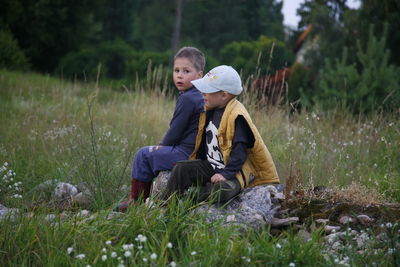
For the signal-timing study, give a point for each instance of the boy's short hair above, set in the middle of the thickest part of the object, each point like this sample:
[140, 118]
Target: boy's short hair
[194, 55]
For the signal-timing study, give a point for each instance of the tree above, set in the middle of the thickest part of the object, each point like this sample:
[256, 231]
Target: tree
[213, 24]
[117, 19]
[266, 54]
[327, 19]
[374, 84]
[381, 13]
[47, 29]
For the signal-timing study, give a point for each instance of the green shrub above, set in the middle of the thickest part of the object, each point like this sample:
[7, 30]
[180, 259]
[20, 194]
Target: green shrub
[265, 54]
[11, 55]
[365, 85]
[140, 61]
[116, 60]
[300, 83]
[113, 56]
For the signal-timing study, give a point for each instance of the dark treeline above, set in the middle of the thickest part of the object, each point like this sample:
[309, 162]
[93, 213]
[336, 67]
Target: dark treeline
[336, 53]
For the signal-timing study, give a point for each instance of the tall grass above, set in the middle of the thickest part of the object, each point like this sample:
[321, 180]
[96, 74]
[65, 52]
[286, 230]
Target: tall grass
[81, 133]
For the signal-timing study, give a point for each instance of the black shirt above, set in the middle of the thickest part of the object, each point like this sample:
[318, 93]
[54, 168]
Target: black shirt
[243, 139]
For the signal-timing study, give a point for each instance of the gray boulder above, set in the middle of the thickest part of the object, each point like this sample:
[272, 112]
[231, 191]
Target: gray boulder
[7, 212]
[254, 207]
[64, 191]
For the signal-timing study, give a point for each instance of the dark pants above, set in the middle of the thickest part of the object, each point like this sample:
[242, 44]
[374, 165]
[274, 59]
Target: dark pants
[187, 173]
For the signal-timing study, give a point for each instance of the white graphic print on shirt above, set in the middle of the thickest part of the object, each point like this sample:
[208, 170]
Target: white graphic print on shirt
[214, 155]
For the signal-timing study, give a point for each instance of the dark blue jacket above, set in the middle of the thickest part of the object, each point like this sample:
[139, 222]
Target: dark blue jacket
[185, 121]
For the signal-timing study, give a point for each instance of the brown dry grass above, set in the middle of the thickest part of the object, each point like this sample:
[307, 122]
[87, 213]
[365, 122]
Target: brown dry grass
[359, 194]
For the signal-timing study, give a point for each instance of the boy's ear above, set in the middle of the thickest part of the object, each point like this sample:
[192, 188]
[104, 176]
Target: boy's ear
[200, 74]
[225, 95]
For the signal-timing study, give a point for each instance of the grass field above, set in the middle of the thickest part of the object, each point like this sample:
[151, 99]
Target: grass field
[72, 132]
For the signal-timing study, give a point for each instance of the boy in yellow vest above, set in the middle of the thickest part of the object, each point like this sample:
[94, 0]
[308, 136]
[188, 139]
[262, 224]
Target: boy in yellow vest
[229, 154]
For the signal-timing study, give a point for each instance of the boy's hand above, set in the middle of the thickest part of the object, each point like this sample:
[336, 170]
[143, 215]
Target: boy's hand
[217, 178]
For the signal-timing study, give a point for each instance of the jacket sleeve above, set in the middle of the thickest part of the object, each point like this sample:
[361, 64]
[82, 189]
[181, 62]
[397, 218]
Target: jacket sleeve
[180, 120]
[242, 140]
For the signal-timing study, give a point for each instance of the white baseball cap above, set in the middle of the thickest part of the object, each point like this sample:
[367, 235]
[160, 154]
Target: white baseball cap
[221, 78]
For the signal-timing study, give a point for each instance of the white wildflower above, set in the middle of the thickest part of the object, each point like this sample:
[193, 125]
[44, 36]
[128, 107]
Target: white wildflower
[108, 242]
[172, 264]
[141, 238]
[127, 253]
[145, 259]
[69, 250]
[104, 257]
[153, 256]
[278, 245]
[193, 253]
[104, 250]
[169, 245]
[80, 256]
[292, 264]
[127, 246]
[113, 254]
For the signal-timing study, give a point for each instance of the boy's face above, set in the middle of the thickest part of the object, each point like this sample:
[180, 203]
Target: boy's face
[216, 100]
[184, 73]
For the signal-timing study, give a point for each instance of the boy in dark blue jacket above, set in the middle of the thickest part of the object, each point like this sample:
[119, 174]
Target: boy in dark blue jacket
[178, 142]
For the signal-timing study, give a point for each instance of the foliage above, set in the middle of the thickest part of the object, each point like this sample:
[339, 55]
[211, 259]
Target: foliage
[11, 55]
[326, 17]
[382, 14]
[118, 60]
[77, 132]
[117, 19]
[374, 84]
[48, 29]
[214, 24]
[265, 54]
[300, 84]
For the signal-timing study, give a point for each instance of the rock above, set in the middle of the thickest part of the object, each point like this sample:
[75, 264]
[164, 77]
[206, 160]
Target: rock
[64, 216]
[331, 229]
[114, 214]
[64, 191]
[345, 219]
[276, 222]
[81, 199]
[252, 208]
[83, 213]
[365, 220]
[322, 221]
[362, 240]
[50, 217]
[159, 184]
[7, 212]
[306, 236]
[43, 191]
[83, 188]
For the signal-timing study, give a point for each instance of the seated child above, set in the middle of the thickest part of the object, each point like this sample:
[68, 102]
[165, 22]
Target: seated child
[229, 154]
[178, 142]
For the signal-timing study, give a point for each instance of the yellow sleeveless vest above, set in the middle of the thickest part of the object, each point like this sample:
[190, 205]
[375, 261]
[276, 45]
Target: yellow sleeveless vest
[259, 167]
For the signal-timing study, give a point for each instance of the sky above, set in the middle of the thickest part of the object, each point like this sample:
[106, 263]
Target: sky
[290, 7]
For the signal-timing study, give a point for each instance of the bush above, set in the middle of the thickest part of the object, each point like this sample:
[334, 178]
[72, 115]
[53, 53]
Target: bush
[140, 61]
[11, 55]
[113, 56]
[265, 54]
[300, 83]
[118, 61]
[365, 85]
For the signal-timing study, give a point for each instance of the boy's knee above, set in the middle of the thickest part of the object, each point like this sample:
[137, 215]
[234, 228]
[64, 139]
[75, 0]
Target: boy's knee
[226, 190]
